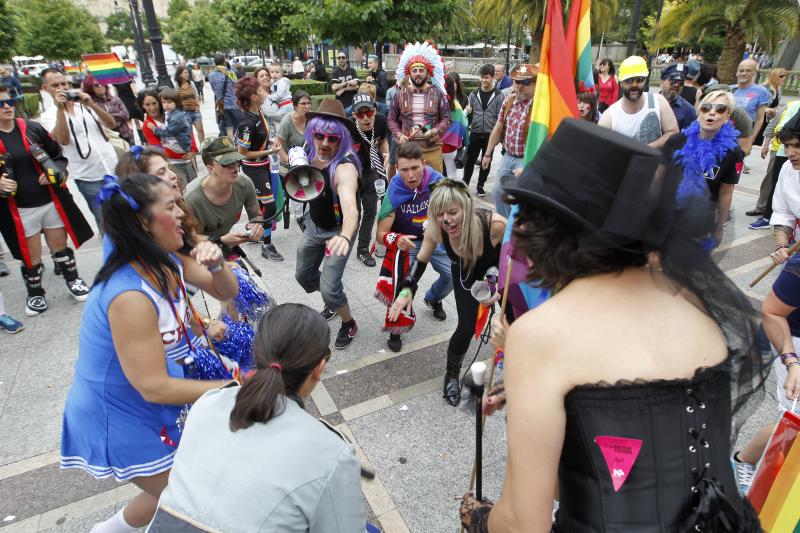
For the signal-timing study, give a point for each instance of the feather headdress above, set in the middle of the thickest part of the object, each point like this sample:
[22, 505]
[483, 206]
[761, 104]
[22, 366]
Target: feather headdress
[425, 54]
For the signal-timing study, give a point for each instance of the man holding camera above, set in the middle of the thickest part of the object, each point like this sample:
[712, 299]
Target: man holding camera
[76, 123]
[33, 200]
[345, 81]
[217, 200]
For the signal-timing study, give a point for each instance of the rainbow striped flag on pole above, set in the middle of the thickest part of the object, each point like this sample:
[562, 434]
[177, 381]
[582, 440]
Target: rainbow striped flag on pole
[553, 100]
[579, 43]
[130, 66]
[106, 68]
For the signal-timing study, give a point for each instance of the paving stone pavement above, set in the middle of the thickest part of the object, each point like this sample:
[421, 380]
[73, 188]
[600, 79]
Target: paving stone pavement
[390, 404]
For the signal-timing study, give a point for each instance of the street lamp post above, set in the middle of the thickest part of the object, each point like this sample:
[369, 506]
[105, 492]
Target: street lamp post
[637, 12]
[155, 43]
[141, 46]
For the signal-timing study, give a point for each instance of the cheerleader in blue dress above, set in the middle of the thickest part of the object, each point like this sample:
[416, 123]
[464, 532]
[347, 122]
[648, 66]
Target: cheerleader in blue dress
[123, 411]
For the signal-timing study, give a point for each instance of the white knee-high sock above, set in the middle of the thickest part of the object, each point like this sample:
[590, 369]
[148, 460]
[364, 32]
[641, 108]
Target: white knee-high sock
[115, 524]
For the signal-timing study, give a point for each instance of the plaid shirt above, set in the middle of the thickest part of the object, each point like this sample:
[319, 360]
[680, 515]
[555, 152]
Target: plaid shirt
[515, 125]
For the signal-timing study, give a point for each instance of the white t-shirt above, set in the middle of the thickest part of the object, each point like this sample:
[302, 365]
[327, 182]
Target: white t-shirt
[93, 156]
[786, 200]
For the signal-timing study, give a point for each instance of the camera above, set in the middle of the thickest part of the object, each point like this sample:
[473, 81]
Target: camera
[72, 95]
[6, 169]
[51, 169]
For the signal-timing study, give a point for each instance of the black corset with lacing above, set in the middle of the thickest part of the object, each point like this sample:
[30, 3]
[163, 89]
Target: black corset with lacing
[681, 479]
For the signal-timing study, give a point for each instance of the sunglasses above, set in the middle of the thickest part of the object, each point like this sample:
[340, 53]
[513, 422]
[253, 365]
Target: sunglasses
[331, 137]
[342, 57]
[638, 80]
[366, 113]
[8, 102]
[719, 108]
[676, 82]
[524, 83]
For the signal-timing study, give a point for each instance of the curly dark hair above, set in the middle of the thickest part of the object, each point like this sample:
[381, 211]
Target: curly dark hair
[244, 89]
[551, 242]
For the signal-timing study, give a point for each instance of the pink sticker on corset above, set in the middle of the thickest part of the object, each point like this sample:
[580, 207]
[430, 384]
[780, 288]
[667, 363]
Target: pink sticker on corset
[620, 453]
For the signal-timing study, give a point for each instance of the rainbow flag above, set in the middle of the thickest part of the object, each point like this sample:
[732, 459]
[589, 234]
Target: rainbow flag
[579, 44]
[106, 68]
[71, 70]
[130, 66]
[554, 100]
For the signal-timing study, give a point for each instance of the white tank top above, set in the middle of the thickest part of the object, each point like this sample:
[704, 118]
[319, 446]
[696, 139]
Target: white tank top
[630, 124]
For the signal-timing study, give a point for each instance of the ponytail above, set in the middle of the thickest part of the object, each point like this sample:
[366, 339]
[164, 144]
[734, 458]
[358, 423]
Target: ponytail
[290, 342]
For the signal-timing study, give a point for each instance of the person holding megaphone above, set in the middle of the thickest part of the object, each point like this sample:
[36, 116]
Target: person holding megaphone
[333, 212]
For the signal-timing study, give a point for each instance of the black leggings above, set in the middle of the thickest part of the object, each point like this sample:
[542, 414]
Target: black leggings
[776, 170]
[477, 143]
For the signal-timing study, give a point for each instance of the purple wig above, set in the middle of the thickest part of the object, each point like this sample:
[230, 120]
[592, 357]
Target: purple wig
[331, 125]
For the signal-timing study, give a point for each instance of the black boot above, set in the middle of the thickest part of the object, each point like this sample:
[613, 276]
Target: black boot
[77, 287]
[35, 303]
[452, 388]
[56, 267]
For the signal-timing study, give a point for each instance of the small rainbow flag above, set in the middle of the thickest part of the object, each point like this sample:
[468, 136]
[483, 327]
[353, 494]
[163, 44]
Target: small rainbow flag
[72, 70]
[130, 66]
[579, 43]
[419, 219]
[106, 68]
[554, 100]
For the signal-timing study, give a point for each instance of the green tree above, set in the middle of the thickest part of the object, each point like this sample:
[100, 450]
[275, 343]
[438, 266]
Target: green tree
[8, 32]
[261, 23]
[201, 31]
[354, 22]
[742, 21]
[176, 7]
[119, 27]
[57, 29]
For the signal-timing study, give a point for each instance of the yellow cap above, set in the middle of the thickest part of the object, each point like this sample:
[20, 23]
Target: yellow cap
[634, 66]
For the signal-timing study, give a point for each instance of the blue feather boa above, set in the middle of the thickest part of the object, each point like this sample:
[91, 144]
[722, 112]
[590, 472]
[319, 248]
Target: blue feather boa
[699, 155]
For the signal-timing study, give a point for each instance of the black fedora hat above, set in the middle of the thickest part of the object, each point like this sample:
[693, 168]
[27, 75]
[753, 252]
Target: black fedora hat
[619, 190]
[334, 109]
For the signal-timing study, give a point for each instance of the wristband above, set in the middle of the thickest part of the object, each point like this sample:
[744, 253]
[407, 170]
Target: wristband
[345, 238]
[216, 268]
[793, 363]
[788, 355]
[781, 246]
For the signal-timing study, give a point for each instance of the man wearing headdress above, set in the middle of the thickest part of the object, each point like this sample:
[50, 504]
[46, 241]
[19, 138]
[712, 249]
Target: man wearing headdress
[420, 111]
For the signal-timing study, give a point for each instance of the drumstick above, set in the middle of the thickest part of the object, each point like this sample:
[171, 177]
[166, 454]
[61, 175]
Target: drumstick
[761, 276]
[503, 304]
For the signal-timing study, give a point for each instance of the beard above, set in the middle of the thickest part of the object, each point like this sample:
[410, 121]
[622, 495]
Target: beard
[626, 92]
[419, 82]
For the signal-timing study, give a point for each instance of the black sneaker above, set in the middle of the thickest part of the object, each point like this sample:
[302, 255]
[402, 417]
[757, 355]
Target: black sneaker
[346, 335]
[366, 258]
[78, 289]
[57, 269]
[35, 305]
[395, 343]
[481, 192]
[327, 313]
[438, 310]
[268, 251]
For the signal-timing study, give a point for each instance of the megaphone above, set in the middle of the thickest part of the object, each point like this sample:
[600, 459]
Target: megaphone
[303, 182]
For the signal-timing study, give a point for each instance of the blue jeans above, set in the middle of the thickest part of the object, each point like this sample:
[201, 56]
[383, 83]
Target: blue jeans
[441, 264]
[310, 255]
[193, 116]
[89, 190]
[230, 119]
[505, 174]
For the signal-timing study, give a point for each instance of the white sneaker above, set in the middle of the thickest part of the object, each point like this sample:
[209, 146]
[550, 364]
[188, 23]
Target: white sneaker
[743, 473]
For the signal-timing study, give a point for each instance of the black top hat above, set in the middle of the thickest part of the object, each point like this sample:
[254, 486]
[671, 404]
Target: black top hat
[333, 109]
[619, 190]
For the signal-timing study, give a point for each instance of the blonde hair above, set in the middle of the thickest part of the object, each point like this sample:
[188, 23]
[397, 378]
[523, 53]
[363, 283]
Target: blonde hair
[713, 95]
[773, 79]
[368, 88]
[443, 197]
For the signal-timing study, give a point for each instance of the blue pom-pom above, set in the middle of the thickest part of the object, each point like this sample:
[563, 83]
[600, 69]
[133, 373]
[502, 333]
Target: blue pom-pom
[205, 366]
[252, 301]
[237, 345]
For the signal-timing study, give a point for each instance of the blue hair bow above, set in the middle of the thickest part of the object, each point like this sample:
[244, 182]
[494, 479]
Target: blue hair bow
[110, 188]
[136, 150]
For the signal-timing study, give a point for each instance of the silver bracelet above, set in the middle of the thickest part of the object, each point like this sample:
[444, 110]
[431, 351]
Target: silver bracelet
[793, 363]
